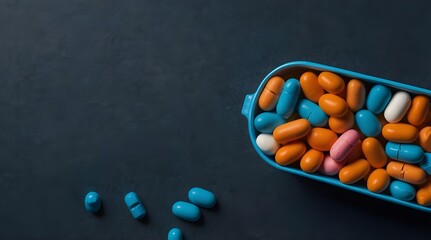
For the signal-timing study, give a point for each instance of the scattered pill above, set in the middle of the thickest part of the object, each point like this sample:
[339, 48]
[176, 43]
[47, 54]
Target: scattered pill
[333, 105]
[290, 152]
[312, 112]
[342, 124]
[288, 98]
[374, 152]
[330, 166]
[135, 205]
[266, 122]
[426, 163]
[418, 110]
[267, 144]
[175, 234]
[378, 180]
[406, 172]
[202, 197]
[402, 190]
[425, 138]
[344, 145]
[355, 96]
[92, 202]
[400, 132]
[186, 211]
[423, 195]
[353, 172]
[368, 123]
[311, 161]
[331, 82]
[408, 153]
[321, 139]
[310, 86]
[378, 98]
[270, 94]
[397, 107]
[291, 131]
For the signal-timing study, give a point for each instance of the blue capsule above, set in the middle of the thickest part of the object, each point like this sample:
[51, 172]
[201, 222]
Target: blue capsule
[266, 122]
[426, 163]
[402, 190]
[92, 202]
[378, 98]
[186, 211]
[135, 205]
[312, 112]
[408, 153]
[175, 234]
[201, 197]
[288, 98]
[368, 123]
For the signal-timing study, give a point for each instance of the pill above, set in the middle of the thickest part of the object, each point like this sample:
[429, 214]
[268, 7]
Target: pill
[425, 138]
[135, 205]
[290, 152]
[356, 153]
[331, 82]
[408, 153]
[402, 190]
[418, 110]
[312, 112]
[291, 131]
[267, 144]
[406, 172]
[270, 94]
[400, 132]
[310, 86]
[330, 167]
[175, 234]
[368, 123]
[344, 145]
[201, 197]
[186, 211]
[342, 124]
[353, 172]
[426, 163]
[92, 202]
[378, 180]
[266, 122]
[333, 105]
[311, 161]
[321, 138]
[374, 152]
[378, 98]
[423, 195]
[355, 96]
[288, 98]
[397, 107]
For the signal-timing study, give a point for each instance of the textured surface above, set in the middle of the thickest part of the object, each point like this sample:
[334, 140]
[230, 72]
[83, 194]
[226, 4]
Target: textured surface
[145, 96]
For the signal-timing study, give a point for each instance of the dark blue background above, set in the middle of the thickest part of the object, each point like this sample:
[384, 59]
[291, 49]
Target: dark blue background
[116, 96]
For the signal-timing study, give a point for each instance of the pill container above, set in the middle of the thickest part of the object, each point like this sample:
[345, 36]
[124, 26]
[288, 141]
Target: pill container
[289, 70]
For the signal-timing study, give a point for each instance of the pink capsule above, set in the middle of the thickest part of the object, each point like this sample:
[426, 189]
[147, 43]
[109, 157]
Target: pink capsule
[330, 166]
[344, 145]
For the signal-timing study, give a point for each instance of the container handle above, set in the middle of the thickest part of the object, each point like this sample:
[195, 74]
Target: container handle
[246, 107]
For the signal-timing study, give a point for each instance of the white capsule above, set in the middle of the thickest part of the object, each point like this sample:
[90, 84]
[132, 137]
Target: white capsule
[397, 107]
[267, 144]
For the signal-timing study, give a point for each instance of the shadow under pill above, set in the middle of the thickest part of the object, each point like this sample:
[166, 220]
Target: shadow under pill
[100, 213]
[199, 222]
[215, 208]
[145, 220]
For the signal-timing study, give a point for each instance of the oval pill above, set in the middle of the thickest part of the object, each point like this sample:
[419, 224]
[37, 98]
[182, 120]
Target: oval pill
[267, 144]
[186, 211]
[311, 161]
[423, 195]
[202, 197]
[92, 202]
[321, 139]
[312, 112]
[175, 234]
[310, 86]
[266, 122]
[408, 153]
[342, 124]
[353, 172]
[400, 132]
[425, 138]
[397, 107]
[291, 131]
[355, 97]
[402, 190]
[368, 123]
[344, 145]
[378, 98]
[333, 105]
[270, 94]
[374, 152]
[406, 172]
[290, 152]
[288, 98]
[331, 82]
[418, 110]
[378, 180]
[330, 167]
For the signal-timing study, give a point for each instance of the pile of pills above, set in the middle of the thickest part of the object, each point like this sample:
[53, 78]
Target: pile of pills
[361, 133]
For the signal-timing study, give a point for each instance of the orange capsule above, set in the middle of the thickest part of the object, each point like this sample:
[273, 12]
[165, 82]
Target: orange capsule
[342, 124]
[378, 180]
[311, 161]
[310, 86]
[374, 152]
[355, 97]
[331, 82]
[418, 110]
[400, 132]
[321, 138]
[423, 195]
[290, 153]
[291, 131]
[354, 171]
[270, 94]
[406, 172]
[356, 153]
[333, 105]
[425, 138]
